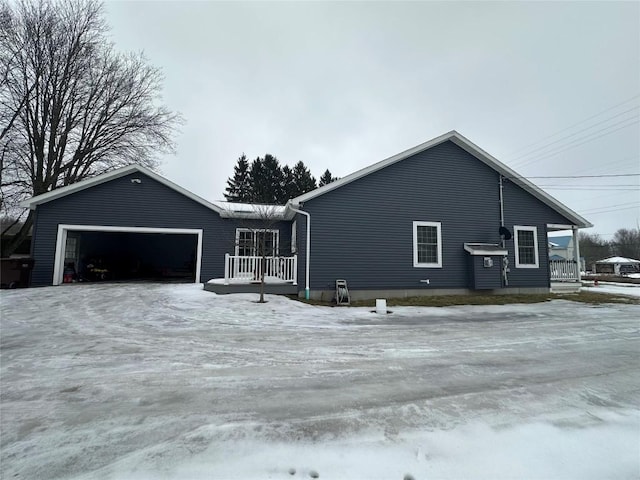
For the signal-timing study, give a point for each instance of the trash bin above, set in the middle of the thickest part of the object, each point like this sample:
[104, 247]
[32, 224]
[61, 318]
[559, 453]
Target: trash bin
[15, 272]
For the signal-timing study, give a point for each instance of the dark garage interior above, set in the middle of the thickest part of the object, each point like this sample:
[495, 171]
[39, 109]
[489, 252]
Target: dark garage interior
[129, 256]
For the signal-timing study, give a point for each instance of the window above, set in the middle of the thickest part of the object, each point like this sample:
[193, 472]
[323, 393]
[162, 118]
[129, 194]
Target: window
[427, 244]
[251, 243]
[526, 246]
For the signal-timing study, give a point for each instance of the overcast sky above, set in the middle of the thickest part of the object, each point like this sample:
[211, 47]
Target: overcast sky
[549, 89]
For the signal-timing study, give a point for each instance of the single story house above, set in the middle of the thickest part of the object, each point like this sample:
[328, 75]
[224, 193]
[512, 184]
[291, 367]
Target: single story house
[617, 266]
[442, 217]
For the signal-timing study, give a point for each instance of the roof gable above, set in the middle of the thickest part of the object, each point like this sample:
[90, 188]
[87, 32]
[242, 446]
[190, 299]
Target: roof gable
[469, 147]
[561, 242]
[33, 202]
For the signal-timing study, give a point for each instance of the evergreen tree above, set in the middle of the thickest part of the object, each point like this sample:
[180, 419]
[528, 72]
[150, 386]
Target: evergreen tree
[239, 186]
[267, 180]
[288, 184]
[326, 178]
[303, 181]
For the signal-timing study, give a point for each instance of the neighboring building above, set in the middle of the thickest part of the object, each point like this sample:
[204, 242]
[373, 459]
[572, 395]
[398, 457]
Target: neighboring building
[617, 266]
[425, 221]
[561, 248]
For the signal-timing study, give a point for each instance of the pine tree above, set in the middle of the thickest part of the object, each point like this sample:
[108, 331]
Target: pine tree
[267, 180]
[239, 186]
[326, 178]
[303, 181]
[288, 184]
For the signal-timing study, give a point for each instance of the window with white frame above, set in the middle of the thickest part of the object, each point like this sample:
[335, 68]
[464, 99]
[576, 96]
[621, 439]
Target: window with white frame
[427, 244]
[253, 243]
[526, 246]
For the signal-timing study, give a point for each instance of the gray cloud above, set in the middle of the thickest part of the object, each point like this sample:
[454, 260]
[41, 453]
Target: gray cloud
[342, 85]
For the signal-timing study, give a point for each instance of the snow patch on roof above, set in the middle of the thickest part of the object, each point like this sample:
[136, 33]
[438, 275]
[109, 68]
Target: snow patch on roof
[618, 260]
[250, 210]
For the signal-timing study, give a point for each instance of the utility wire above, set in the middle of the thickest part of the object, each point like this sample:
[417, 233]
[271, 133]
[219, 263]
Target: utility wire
[580, 176]
[575, 143]
[593, 214]
[612, 206]
[576, 124]
[580, 131]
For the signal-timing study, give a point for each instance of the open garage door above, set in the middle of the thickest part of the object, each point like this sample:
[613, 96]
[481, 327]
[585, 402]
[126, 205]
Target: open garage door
[101, 253]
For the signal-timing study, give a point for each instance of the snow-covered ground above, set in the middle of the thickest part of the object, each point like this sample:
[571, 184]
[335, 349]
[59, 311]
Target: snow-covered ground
[172, 382]
[628, 289]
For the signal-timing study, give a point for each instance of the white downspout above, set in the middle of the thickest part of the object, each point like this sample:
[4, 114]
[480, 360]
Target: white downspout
[307, 252]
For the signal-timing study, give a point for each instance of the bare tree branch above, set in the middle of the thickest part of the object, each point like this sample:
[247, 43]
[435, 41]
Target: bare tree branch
[72, 107]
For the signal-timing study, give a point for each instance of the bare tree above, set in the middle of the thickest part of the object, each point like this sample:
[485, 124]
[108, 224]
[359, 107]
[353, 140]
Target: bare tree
[71, 106]
[626, 243]
[593, 248]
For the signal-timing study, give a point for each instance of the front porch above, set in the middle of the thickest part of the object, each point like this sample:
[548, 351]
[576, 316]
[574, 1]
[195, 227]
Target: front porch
[564, 273]
[243, 274]
[565, 276]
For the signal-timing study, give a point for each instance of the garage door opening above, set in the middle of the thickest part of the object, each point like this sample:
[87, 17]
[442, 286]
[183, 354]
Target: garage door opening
[93, 254]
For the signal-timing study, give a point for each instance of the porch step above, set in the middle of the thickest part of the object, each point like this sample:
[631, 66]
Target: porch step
[269, 288]
[565, 287]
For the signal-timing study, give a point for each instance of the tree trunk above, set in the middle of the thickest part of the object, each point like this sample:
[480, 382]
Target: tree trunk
[10, 245]
[262, 264]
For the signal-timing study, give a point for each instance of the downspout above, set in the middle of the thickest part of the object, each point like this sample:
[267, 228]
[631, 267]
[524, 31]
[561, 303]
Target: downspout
[307, 252]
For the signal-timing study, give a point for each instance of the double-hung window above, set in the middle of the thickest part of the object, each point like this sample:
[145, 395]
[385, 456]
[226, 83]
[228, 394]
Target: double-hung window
[255, 243]
[526, 246]
[427, 244]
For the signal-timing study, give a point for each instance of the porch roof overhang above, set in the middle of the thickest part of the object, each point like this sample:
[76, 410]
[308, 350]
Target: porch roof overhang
[485, 249]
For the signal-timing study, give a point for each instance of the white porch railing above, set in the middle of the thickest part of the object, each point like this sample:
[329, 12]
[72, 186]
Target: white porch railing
[564, 270]
[249, 269]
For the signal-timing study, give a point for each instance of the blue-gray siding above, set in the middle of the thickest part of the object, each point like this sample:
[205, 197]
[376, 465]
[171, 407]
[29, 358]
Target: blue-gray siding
[485, 277]
[363, 231]
[120, 202]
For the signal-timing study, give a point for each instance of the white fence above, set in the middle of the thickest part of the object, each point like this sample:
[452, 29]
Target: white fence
[239, 269]
[564, 270]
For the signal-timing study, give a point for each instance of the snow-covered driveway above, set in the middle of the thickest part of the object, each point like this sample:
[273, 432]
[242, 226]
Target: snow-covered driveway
[169, 381]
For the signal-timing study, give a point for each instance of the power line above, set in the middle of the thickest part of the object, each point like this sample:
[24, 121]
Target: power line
[612, 206]
[637, 185]
[609, 175]
[576, 143]
[580, 131]
[576, 124]
[593, 214]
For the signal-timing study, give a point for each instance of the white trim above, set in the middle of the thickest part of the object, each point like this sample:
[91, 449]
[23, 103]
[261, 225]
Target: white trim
[438, 226]
[558, 226]
[106, 177]
[63, 229]
[469, 147]
[253, 231]
[525, 228]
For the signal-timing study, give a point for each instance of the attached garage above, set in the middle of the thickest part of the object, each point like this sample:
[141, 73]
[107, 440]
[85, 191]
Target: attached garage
[98, 253]
[127, 225]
